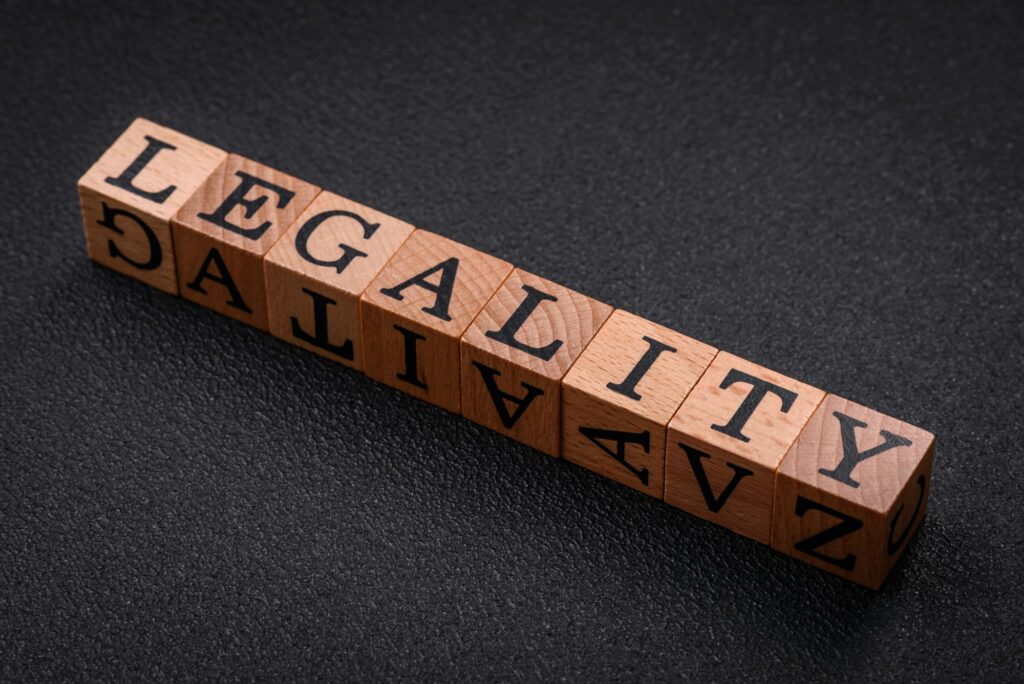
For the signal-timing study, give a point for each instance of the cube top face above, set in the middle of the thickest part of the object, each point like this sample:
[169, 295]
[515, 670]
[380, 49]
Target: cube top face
[640, 367]
[340, 243]
[416, 282]
[536, 324]
[741, 408]
[152, 169]
[246, 205]
[856, 454]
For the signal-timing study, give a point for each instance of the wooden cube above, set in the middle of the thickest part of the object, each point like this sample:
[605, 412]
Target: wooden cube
[620, 394]
[317, 271]
[416, 309]
[726, 442]
[516, 353]
[852, 491]
[223, 232]
[131, 193]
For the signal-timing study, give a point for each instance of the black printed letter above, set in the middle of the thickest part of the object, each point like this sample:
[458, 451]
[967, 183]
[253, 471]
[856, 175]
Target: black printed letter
[410, 373]
[847, 525]
[222, 276]
[443, 289]
[109, 220]
[851, 457]
[507, 334]
[893, 546]
[251, 206]
[760, 388]
[714, 503]
[320, 337]
[621, 439]
[124, 181]
[627, 387]
[347, 253]
[499, 398]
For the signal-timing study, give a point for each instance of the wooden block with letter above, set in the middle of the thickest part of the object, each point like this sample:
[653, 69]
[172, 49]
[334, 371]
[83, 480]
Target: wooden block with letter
[223, 232]
[620, 394]
[317, 271]
[131, 193]
[726, 442]
[852, 491]
[516, 353]
[416, 309]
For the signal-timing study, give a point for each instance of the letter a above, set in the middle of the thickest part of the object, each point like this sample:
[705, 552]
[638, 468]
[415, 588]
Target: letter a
[499, 397]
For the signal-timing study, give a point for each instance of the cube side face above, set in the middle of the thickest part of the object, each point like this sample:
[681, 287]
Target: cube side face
[619, 445]
[511, 399]
[727, 440]
[853, 491]
[221, 277]
[306, 313]
[128, 241]
[411, 357]
[719, 486]
[130, 194]
[320, 267]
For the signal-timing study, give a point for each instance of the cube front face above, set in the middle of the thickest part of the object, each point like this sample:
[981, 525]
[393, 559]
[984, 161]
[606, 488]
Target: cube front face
[852, 491]
[415, 310]
[516, 352]
[727, 440]
[131, 193]
[223, 232]
[317, 271]
[620, 395]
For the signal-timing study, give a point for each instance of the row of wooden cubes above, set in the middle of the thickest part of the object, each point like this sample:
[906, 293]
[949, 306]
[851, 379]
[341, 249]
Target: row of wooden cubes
[818, 477]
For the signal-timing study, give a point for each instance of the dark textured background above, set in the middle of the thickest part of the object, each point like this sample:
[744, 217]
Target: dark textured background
[833, 192]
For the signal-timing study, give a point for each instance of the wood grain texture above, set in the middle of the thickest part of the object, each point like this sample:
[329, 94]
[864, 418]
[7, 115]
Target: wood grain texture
[208, 251]
[122, 225]
[320, 267]
[858, 468]
[432, 325]
[562, 322]
[733, 483]
[630, 379]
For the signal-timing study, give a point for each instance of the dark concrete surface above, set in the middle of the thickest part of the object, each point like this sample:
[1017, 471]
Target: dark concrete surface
[834, 191]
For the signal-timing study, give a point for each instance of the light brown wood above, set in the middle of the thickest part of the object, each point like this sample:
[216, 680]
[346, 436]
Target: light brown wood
[620, 394]
[852, 491]
[724, 447]
[223, 232]
[416, 309]
[556, 323]
[131, 193]
[317, 271]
